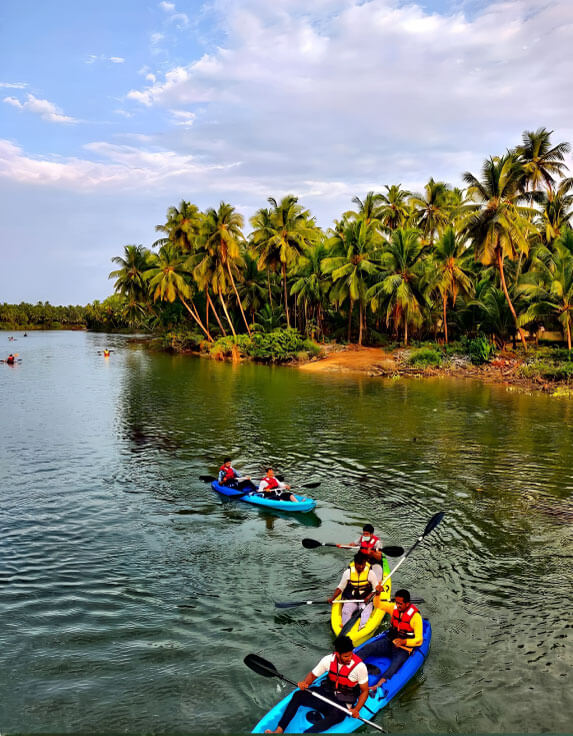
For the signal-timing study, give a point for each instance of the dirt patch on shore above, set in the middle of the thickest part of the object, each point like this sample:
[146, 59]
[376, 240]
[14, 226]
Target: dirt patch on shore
[353, 359]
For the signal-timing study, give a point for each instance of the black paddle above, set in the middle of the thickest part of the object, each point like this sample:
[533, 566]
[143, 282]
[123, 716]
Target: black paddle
[430, 526]
[267, 669]
[314, 484]
[294, 604]
[389, 551]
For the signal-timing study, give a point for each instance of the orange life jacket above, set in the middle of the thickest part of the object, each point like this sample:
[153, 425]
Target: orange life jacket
[271, 483]
[367, 547]
[229, 474]
[401, 626]
[339, 680]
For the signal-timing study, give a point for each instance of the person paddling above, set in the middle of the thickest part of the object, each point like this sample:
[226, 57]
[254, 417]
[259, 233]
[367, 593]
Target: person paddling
[229, 477]
[406, 633]
[370, 546]
[11, 359]
[359, 580]
[271, 487]
[346, 683]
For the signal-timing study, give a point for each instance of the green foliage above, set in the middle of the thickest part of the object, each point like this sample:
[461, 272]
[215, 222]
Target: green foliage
[182, 340]
[425, 357]
[547, 369]
[480, 350]
[277, 346]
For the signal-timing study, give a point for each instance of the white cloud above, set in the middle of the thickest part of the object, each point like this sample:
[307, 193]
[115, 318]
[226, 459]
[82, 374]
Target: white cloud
[14, 85]
[181, 20]
[117, 59]
[168, 7]
[44, 108]
[92, 58]
[183, 117]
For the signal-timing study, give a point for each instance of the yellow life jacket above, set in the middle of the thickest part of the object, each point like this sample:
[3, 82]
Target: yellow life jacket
[359, 585]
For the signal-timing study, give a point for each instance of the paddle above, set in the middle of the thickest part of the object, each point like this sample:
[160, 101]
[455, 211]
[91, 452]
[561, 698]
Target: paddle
[267, 669]
[294, 604]
[314, 484]
[430, 526]
[389, 551]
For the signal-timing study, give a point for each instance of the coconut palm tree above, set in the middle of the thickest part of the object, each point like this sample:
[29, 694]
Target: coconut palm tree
[252, 289]
[169, 279]
[398, 286]
[311, 283]
[394, 207]
[222, 235]
[354, 268]
[556, 210]
[499, 229]
[182, 227]
[448, 271]
[540, 160]
[431, 209]
[130, 277]
[261, 243]
[368, 209]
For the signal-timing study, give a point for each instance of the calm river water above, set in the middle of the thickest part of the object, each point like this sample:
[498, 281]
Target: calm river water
[130, 592]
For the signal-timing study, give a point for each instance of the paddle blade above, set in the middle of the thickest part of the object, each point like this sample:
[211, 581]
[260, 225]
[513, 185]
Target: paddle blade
[207, 478]
[261, 666]
[311, 543]
[289, 604]
[314, 484]
[393, 551]
[350, 623]
[433, 523]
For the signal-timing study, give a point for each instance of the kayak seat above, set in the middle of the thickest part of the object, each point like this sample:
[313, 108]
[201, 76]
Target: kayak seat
[373, 669]
[314, 716]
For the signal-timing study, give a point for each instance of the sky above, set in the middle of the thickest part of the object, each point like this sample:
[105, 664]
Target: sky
[112, 111]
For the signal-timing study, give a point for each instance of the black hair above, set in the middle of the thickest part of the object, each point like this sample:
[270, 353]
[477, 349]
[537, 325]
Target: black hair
[269, 468]
[227, 460]
[343, 644]
[368, 528]
[359, 558]
[404, 594]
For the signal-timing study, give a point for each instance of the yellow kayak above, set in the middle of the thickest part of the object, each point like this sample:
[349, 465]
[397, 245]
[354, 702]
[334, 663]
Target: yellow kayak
[357, 635]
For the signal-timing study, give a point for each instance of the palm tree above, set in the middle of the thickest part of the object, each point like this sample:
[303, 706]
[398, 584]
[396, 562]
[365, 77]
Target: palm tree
[449, 274]
[130, 277]
[556, 210]
[182, 226]
[269, 253]
[368, 210]
[431, 209]
[222, 235]
[283, 233]
[355, 267]
[252, 288]
[500, 228]
[399, 283]
[550, 286]
[540, 160]
[168, 280]
[394, 207]
[311, 283]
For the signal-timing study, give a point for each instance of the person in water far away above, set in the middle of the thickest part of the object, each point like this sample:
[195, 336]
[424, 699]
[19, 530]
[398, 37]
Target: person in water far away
[359, 580]
[406, 633]
[272, 488]
[370, 546]
[346, 683]
[10, 359]
[229, 477]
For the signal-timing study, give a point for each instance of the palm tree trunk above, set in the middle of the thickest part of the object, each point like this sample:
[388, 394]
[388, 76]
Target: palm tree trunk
[569, 333]
[227, 314]
[283, 270]
[216, 314]
[269, 285]
[360, 328]
[238, 298]
[350, 308]
[445, 301]
[206, 308]
[505, 291]
[195, 314]
[405, 330]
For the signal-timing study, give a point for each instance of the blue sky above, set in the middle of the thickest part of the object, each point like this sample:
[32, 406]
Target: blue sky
[112, 111]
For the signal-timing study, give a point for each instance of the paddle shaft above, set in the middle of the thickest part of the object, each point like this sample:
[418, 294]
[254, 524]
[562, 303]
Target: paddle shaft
[330, 702]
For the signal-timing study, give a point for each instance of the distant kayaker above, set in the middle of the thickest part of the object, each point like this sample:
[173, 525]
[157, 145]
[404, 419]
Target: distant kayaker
[10, 359]
[346, 683]
[229, 477]
[370, 546]
[271, 487]
[358, 580]
[406, 633]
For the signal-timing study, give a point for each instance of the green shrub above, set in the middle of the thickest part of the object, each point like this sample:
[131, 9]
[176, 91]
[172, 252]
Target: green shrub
[480, 350]
[181, 340]
[224, 345]
[425, 357]
[547, 369]
[276, 346]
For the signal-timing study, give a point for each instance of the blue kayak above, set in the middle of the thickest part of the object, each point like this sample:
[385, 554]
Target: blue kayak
[376, 701]
[301, 505]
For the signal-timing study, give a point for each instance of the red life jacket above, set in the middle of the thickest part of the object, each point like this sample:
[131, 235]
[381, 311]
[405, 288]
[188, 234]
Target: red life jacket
[271, 483]
[339, 680]
[367, 547]
[229, 473]
[401, 622]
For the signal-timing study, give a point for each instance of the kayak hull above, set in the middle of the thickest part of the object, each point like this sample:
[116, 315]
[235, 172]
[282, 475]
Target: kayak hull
[376, 702]
[358, 635]
[301, 506]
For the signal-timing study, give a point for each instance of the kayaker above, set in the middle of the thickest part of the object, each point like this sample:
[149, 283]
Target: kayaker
[371, 546]
[271, 487]
[229, 477]
[10, 359]
[406, 633]
[346, 683]
[359, 580]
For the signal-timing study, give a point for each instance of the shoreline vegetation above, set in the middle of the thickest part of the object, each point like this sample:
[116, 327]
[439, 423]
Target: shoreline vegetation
[448, 281]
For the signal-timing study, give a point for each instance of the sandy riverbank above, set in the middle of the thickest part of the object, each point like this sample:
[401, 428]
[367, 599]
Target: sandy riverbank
[504, 370]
